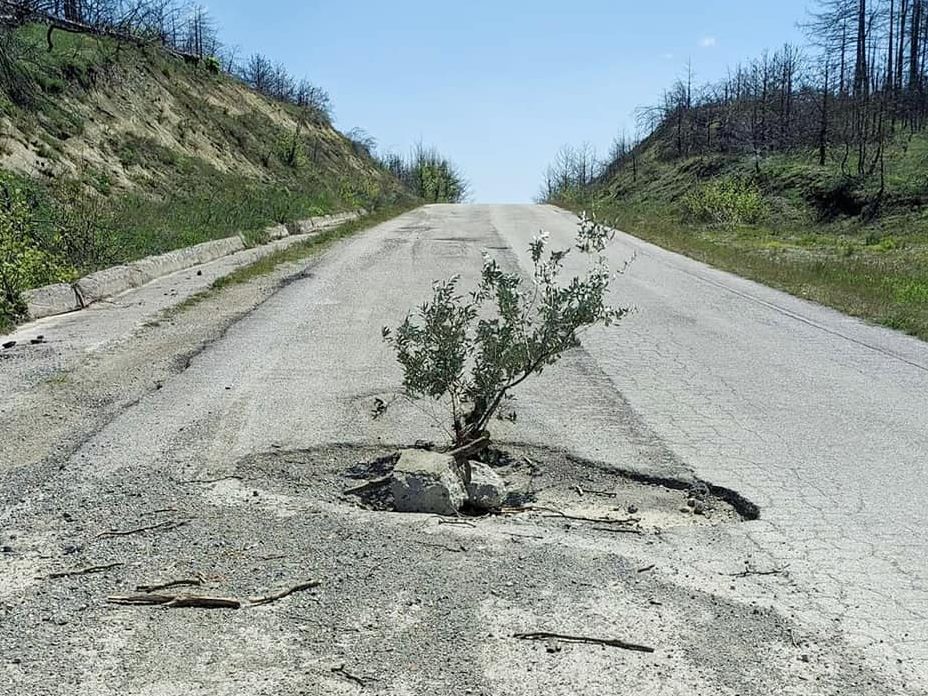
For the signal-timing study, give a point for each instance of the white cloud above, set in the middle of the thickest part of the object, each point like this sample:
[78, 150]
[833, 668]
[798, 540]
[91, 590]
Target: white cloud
[708, 42]
[667, 56]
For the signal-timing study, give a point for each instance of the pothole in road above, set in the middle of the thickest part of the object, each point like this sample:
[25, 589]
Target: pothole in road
[543, 484]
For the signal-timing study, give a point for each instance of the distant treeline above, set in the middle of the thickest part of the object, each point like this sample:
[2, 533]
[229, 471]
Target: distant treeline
[428, 174]
[859, 82]
[425, 172]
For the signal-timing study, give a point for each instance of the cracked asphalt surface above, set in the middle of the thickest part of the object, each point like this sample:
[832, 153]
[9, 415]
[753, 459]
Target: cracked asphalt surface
[817, 418]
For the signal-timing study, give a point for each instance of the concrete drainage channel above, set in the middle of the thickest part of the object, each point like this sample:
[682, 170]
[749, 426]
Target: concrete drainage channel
[62, 298]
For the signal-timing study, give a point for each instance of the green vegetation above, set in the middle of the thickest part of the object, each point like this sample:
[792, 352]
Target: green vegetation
[36, 79]
[44, 242]
[789, 222]
[25, 252]
[467, 352]
[118, 151]
[859, 272]
[725, 202]
[430, 176]
[805, 168]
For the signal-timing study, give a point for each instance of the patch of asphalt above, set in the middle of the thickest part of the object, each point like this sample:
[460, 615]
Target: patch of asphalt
[406, 604]
[287, 380]
[92, 365]
[64, 405]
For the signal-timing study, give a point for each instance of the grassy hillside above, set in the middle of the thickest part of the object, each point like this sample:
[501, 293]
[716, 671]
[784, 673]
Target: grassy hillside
[784, 220]
[110, 151]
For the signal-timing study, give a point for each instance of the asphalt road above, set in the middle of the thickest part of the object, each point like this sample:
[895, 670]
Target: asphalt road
[817, 418]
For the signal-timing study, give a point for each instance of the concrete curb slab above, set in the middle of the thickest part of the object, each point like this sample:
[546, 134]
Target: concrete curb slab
[210, 251]
[107, 283]
[276, 232]
[156, 266]
[61, 298]
[50, 300]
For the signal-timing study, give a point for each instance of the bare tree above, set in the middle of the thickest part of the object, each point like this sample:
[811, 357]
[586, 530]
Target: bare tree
[864, 72]
[258, 73]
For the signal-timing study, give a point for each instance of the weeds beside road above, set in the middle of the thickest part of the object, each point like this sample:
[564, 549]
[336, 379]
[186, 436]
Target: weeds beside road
[855, 242]
[882, 278]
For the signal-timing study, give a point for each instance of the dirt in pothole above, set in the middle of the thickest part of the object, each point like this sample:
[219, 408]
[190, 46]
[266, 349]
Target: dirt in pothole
[545, 485]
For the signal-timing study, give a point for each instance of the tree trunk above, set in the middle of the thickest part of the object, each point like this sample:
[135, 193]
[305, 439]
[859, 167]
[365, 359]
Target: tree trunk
[914, 53]
[72, 11]
[823, 126]
[861, 76]
[900, 52]
[889, 49]
[842, 90]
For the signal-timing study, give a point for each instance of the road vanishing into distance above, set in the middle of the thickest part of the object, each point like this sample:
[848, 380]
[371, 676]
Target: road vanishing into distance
[818, 419]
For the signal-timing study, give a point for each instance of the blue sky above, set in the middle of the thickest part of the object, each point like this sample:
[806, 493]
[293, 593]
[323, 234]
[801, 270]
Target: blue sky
[500, 85]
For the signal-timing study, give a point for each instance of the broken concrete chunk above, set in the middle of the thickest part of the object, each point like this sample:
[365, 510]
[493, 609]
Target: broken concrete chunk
[427, 482]
[486, 489]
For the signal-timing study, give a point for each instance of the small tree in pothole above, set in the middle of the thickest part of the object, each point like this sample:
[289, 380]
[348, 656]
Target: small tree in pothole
[468, 352]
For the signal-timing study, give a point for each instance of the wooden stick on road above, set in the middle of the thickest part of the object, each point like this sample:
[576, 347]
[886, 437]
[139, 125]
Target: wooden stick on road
[611, 642]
